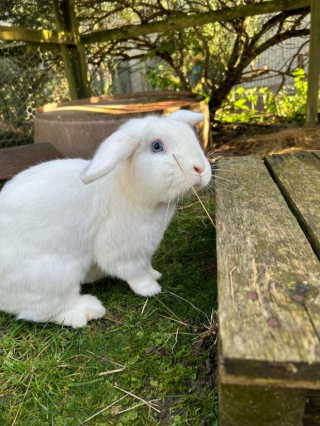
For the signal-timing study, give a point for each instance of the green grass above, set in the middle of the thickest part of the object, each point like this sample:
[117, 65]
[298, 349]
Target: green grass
[49, 374]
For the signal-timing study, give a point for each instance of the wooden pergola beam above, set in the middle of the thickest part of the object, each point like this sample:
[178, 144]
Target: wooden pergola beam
[35, 36]
[314, 65]
[183, 20]
[74, 58]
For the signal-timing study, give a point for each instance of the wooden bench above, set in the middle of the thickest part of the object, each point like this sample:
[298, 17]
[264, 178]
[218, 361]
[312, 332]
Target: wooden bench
[268, 242]
[15, 160]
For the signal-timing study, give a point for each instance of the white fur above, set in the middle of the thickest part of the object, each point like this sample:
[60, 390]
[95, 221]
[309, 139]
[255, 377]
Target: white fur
[57, 232]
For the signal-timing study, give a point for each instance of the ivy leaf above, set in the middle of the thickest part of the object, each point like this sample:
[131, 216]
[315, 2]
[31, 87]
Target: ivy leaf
[240, 103]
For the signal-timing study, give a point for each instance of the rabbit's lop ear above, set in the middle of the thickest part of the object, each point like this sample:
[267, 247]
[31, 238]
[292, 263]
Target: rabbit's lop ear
[186, 116]
[117, 147]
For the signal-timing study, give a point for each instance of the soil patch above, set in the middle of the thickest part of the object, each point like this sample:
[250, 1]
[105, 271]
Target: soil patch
[262, 139]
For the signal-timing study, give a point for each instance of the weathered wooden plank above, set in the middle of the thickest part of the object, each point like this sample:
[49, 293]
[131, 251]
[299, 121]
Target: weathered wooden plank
[298, 176]
[184, 20]
[314, 65]
[259, 406]
[35, 36]
[265, 262]
[17, 159]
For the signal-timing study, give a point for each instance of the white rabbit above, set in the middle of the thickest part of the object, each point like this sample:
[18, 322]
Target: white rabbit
[58, 230]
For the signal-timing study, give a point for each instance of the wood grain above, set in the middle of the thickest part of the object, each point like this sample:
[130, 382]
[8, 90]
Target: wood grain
[15, 160]
[267, 274]
[298, 176]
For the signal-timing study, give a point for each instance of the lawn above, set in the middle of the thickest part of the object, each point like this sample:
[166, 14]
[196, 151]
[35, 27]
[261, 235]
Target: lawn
[148, 360]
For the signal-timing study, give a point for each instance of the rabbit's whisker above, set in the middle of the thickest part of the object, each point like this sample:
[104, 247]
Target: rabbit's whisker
[222, 178]
[222, 146]
[195, 192]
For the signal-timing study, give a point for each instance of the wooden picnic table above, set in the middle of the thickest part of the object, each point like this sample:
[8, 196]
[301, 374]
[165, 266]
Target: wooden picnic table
[268, 244]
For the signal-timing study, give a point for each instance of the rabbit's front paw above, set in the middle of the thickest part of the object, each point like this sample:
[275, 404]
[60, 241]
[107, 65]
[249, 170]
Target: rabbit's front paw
[92, 306]
[146, 286]
[86, 308]
[155, 274]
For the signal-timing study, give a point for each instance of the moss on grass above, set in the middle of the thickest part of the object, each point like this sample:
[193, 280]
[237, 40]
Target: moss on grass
[49, 374]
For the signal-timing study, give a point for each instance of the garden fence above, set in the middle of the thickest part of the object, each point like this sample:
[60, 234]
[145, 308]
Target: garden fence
[29, 78]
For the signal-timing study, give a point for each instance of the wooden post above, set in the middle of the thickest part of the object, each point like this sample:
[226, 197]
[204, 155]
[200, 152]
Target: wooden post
[74, 57]
[314, 65]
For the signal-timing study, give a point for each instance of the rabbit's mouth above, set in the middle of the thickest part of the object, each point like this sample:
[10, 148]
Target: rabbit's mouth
[197, 179]
[198, 186]
[200, 180]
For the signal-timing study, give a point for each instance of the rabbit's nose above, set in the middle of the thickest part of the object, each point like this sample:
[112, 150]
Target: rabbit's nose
[198, 169]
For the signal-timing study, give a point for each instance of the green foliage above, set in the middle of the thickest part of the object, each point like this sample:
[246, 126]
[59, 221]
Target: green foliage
[26, 13]
[161, 77]
[289, 103]
[187, 61]
[50, 373]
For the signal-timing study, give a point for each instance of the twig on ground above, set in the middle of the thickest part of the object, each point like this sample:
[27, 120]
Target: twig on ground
[168, 309]
[176, 339]
[106, 408]
[182, 298]
[131, 408]
[144, 306]
[178, 321]
[80, 368]
[139, 398]
[138, 405]
[107, 360]
[105, 373]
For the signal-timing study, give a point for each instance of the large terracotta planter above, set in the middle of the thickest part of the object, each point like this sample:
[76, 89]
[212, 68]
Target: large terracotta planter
[77, 128]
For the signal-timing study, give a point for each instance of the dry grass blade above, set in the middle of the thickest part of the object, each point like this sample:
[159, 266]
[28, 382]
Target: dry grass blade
[131, 408]
[195, 192]
[149, 404]
[107, 360]
[42, 351]
[106, 408]
[178, 321]
[29, 384]
[144, 306]
[24, 397]
[105, 373]
[77, 372]
[191, 304]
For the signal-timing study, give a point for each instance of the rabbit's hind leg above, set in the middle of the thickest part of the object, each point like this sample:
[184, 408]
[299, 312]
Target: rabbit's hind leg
[79, 310]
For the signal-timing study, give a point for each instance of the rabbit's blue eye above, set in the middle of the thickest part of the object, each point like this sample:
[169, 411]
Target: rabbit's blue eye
[157, 146]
